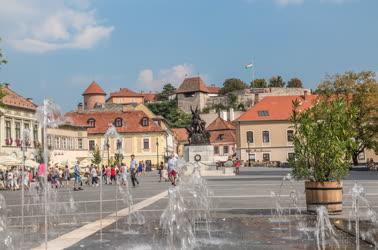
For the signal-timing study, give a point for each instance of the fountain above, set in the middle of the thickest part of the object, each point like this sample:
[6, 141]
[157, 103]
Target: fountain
[324, 229]
[6, 239]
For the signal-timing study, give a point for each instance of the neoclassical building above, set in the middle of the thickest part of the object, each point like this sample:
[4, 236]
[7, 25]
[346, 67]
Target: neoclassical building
[18, 113]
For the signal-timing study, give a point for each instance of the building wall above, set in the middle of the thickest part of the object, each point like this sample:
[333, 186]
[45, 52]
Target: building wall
[125, 100]
[132, 143]
[24, 118]
[222, 155]
[278, 147]
[198, 99]
[91, 100]
[64, 145]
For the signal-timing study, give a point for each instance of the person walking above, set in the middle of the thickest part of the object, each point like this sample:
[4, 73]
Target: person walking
[94, 176]
[237, 166]
[140, 168]
[113, 174]
[108, 173]
[160, 170]
[133, 170]
[172, 174]
[77, 186]
[66, 175]
[41, 176]
[123, 171]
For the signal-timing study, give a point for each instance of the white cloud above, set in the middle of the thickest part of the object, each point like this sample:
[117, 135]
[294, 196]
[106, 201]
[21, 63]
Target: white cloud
[174, 75]
[40, 26]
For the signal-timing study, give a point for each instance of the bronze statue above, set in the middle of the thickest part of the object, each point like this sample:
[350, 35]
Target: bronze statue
[198, 135]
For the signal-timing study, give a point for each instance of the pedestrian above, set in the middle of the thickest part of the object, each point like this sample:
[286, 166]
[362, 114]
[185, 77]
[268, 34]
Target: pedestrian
[113, 174]
[41, 175]
[140, 168]
[66, 175]
[77, 182]
[10, 180]
[94, 176]
[160, 170]
[172, 174]
[237, 166]
[133, 170]
[108, 173]
[123, 171]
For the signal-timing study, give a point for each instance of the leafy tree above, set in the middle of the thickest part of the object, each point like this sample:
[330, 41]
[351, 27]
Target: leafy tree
[2, 58]
[96, 154]
[294, 83]
[322, 140]
[360, 90]
[232, 84]
[168, 90]
[170, 111]
[241, 107]
[232, 100]
[259, 83]
[276, 82]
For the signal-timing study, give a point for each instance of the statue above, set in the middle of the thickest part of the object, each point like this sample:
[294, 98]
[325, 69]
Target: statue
[197, 130]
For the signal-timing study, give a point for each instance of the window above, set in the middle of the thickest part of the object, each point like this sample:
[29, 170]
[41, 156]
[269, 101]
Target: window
[290, 156]
[249, 137]
[64, 142]
[290, 135]
[8, 130]
[56, 140]
[216, 150]
[26, 125]
[252, 157]
[221, 137]
[119, 144]
[18, 130]
[80, 143]
[145, 122]
[49, 141]
[118, 122]
[263, 113]
[91, 145]
[146, 143]
[91, 122]
[35, 132]
[225, 149]
[266, 157]
[361, 156]
[266, 137]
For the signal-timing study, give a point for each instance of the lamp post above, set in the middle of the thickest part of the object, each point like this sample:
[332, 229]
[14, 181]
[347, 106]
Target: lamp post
[249, 155]
[157, 152]
[107, 148]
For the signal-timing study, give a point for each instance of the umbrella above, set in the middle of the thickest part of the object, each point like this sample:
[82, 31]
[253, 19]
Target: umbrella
[31, 163]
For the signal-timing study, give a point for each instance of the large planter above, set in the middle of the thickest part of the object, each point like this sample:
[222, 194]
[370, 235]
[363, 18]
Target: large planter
[328, 194]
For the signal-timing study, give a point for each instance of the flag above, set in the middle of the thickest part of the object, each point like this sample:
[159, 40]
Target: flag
[248, 66]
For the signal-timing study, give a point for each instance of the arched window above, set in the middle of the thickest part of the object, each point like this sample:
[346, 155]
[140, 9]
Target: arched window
[249, 137]
[91, 122]
[145, 121]
[118, 122]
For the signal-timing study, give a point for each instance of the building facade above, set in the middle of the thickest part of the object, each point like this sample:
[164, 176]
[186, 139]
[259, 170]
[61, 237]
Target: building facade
[18, 114]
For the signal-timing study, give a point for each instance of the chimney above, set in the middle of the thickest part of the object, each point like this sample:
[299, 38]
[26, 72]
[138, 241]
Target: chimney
[232, 114]
[305, 94]
[224, 115]
[29, 99]
[257, 98]
[80, 106]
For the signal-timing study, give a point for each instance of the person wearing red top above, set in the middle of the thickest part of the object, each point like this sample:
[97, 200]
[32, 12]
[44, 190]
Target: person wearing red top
[112, 175]
[108, 174]
[237, 166]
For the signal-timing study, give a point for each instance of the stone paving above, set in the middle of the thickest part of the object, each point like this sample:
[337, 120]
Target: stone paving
[242, 206]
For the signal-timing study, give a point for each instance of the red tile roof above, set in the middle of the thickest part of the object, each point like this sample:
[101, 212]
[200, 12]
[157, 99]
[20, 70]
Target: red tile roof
[94, 88]
[225, 136]
[13, 99]
[276, 108]
[193, 84]
[149, 97]
[213, 89]
[131, 121]
[181, 134]
[125, 92]
[220, 124]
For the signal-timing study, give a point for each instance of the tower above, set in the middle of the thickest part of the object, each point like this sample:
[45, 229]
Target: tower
[93, 95]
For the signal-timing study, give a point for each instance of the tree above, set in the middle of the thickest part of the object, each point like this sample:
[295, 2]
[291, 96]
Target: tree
[360, 90]
[232, 84]
[276, 82]
[96, 154]
[259, 83]
[232, 100]
[294, 83]
[168, 90]
[170, 111]
[2, 59]
[322, 139]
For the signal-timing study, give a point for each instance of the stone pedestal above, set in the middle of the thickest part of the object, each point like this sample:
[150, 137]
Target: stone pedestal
[205, 151]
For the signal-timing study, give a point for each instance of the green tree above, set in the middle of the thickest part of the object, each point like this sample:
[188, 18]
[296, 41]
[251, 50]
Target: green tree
[360, 90]
[2, 61]
[259, 83]
[276, 82]
[232, 100]
[294, 83]
[96, 154]
[170, 111]
[322, 140]
[232, 84]
[168, 90]
[2, 58]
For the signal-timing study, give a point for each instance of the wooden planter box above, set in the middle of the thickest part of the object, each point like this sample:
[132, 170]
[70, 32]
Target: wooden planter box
[328, 194]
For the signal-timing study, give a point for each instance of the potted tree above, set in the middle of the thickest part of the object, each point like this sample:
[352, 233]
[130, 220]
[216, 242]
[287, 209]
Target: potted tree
[322, 145]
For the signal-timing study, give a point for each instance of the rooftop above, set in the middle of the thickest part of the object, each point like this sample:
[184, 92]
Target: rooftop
[94, 89]
[220, 124]
[193, 84]
[181, 134]
[13, 99]
[125, 92]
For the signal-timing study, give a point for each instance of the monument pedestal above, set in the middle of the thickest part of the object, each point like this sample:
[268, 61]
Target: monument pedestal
[206, 153]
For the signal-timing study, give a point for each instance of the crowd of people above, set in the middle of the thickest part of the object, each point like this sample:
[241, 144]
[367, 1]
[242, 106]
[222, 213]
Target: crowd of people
[59, 177]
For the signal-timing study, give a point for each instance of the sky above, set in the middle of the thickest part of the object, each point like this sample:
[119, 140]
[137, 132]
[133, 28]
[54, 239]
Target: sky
[56, 48]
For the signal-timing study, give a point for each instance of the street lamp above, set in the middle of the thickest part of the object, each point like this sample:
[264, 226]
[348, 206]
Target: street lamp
[249, 154]
[107, 148]
[157, 152]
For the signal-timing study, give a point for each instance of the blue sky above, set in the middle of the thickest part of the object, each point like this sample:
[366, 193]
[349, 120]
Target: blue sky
[56, 48]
